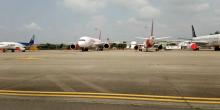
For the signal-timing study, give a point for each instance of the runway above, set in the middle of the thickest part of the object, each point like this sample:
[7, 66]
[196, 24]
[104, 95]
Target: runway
[127, 80]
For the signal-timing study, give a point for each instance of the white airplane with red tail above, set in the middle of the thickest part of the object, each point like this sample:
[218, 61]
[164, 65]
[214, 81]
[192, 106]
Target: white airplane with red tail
[150, 42]
[86, 42]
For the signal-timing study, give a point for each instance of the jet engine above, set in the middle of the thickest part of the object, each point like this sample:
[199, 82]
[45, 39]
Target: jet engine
[194, 46]
[72, 46]
[106, 45]
[136, 47]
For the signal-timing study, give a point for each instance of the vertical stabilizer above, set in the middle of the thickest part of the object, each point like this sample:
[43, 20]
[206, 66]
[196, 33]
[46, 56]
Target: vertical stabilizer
[32, 40]
[152, 28]
[193, 32]
[100, 35]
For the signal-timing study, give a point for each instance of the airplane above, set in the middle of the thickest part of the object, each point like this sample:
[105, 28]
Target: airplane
[4, 46]
[150, 42]
[207, 40]
[87, 42]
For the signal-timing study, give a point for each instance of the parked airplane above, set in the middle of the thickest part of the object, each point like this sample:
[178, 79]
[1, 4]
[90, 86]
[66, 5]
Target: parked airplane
[208, 40]
[16, 45]
[87, 42]
[150, 41]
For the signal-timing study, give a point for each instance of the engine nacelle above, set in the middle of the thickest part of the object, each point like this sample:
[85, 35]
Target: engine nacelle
[194, 46]
[106, 45]
[136, 47]
[160, 47]
[72, 46]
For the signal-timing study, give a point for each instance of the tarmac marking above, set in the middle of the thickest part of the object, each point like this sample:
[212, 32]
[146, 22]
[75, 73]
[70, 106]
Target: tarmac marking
[136, 97]
[89, 84]
[28, 58]
[60, 84]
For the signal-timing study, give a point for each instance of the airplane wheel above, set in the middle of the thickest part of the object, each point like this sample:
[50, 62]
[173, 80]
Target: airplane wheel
[86, 49]
[12, 50]
[217, 48]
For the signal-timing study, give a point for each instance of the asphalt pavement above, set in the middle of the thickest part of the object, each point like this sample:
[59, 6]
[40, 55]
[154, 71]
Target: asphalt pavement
[121, 80]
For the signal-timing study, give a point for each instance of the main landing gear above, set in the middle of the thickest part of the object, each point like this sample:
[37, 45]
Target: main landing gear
[84, 49]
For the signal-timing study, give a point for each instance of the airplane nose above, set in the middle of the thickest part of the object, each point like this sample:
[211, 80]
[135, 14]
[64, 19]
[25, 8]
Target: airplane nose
[81, 43]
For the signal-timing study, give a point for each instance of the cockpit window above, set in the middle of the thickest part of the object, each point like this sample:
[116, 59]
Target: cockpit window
[82, 40]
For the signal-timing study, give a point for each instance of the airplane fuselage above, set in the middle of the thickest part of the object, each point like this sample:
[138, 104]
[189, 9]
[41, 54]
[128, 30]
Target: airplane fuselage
[11, 46]
[212, 40]
[88, 42]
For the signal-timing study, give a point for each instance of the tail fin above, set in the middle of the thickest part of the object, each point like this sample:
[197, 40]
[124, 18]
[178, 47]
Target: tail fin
[193, 32]
[32, 40]
[100, 35]
[152, 28]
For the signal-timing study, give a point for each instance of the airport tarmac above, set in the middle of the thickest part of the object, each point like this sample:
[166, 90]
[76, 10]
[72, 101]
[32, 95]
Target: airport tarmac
[123, 80]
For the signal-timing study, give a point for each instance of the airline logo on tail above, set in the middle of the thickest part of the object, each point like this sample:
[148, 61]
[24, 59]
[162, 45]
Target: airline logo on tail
[193, 32]
[31, 42]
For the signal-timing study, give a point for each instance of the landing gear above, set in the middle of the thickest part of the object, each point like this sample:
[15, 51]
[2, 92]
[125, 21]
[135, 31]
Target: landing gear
[146, 50]
[4, 50]
[217, 48]
[100, 48]
[84, 49]
[12, 50]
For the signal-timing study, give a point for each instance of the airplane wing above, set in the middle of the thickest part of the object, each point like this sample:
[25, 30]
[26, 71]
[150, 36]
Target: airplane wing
[185, 38]
[200, 42]
[161, 38]
[142, 38]
[100, 44]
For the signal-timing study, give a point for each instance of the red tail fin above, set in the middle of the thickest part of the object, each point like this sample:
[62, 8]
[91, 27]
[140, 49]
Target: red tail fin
[152, 28]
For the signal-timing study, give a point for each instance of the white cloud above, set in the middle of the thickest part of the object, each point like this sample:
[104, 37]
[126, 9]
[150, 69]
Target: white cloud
[202, 7]
[97, 21]
[186, 6]
[148, 12]
[88, 6]
[143, 8]
[33, 26]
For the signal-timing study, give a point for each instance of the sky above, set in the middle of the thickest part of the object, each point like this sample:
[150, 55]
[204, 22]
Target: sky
[64, 21]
